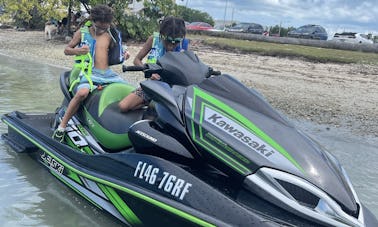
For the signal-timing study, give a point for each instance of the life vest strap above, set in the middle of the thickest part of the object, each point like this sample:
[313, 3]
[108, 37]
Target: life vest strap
[84, 63]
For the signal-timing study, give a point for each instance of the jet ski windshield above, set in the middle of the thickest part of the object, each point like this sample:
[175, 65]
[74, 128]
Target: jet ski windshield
[182, 68]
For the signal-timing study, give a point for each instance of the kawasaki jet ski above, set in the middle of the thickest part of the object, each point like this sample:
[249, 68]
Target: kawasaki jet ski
[207, 151]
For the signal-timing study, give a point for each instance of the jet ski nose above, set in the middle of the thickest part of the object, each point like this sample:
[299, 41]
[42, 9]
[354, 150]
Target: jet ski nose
[299, 196]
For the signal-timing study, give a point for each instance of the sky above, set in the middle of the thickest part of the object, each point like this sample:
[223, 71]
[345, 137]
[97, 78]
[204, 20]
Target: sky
[334, 15]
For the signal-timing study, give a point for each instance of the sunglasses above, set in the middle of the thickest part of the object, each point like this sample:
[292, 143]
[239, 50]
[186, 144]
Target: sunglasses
[169, 39]
[101, 29]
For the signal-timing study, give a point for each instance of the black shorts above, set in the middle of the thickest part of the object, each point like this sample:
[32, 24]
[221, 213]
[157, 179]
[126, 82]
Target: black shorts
[140, 93]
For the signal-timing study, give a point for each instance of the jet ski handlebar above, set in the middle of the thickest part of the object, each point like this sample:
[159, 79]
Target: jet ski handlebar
[148, 69]
[212, 72]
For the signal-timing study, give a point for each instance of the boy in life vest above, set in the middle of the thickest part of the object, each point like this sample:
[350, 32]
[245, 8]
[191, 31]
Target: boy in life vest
[91, 45]
[170, 38]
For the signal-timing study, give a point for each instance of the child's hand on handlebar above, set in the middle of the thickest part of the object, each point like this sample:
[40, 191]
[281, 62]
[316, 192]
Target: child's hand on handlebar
[155, 76]
[126, 55]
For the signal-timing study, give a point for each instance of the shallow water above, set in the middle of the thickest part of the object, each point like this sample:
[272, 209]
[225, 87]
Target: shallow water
[30, 196]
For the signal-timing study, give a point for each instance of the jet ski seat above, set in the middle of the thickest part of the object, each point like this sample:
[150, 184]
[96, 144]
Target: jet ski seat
[102, 115]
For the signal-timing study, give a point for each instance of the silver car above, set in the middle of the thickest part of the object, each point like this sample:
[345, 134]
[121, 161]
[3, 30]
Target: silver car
[352, 37]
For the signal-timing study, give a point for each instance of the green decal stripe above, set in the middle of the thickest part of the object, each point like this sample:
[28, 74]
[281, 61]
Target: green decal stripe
[121, 206]
[215, 151]
[193, 115]
[73, 188]
[248, 124]
[225, 158]
[164, 206]
[136, 194]
[74, 177]
[219, 153]
[85, 149]
[82, 129]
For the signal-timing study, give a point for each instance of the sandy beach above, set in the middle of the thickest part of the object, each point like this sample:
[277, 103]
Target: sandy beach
[340, 95]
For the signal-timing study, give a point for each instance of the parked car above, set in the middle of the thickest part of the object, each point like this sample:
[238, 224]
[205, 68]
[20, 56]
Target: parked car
[218, 28]
[352, 37]
[310, 31]
[199, 26]
[247, 28]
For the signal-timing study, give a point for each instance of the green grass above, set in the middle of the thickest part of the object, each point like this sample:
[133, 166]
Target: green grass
[289, 50]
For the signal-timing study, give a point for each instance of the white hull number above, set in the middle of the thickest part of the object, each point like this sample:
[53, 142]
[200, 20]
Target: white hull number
[169, 182]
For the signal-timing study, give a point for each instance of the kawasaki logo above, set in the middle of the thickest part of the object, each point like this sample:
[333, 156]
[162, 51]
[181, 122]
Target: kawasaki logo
[238, 132]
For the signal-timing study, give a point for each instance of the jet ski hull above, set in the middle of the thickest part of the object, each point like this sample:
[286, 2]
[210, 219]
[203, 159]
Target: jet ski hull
[138, 189]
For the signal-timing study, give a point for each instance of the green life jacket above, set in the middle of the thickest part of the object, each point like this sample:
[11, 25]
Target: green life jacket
[84, 63]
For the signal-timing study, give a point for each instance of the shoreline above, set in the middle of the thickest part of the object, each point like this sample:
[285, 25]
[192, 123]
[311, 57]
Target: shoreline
[339, 95]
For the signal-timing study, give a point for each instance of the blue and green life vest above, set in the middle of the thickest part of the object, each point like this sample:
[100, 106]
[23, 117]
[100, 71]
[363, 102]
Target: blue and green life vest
[158, 50]
[84, 63]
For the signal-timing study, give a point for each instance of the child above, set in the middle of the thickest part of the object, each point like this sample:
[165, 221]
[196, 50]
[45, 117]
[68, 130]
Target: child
[170, 38]
[92, 41]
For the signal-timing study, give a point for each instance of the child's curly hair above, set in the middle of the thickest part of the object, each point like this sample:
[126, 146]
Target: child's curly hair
[173, 27]
[101, 13]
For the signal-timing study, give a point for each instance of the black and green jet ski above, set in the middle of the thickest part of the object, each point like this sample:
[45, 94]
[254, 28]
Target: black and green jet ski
[207, 151]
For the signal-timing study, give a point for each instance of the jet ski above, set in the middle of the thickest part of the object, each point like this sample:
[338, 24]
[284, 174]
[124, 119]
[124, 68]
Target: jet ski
[206, 151]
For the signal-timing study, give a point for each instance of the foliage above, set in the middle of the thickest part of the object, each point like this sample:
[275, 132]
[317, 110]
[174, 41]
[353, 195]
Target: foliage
[34, 13]
[280, 30]
[141, 25]
[138, 26]
[192, 15]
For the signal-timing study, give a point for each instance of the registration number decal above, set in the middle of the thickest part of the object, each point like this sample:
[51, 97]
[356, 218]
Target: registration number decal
[169, 183]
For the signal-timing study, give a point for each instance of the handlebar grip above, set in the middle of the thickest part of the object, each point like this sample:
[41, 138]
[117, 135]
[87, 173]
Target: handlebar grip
[132, 68]
[216, 73]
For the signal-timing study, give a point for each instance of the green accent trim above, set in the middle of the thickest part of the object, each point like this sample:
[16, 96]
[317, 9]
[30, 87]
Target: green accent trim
[224, 157]
[246, 123]
[73, 188]
[214, 150]
[85, 149]
[82, 130]
[74, 177]
[88, 23]
[136, 194]
[114, 92]
[219, 153]
[121, 206]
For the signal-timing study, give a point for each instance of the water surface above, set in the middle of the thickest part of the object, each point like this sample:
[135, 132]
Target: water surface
[30, 195]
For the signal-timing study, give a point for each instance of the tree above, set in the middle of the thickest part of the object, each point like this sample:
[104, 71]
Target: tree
[140, 26]
[280, 30]
[34, 13]
[192, 15]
